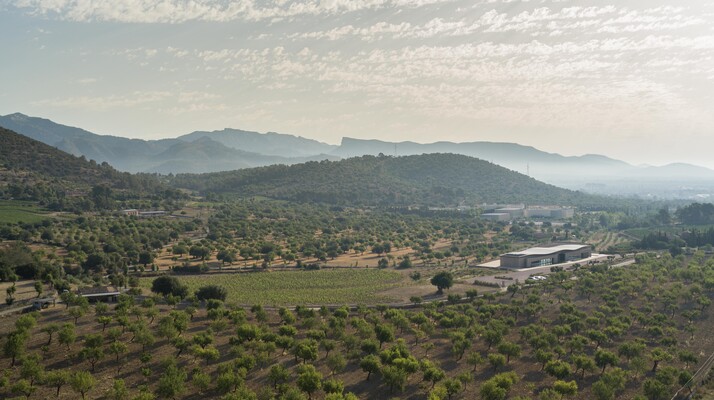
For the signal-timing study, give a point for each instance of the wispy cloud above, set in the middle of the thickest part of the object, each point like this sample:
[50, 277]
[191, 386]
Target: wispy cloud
[382, 30]
[177, 11]
[532, 74]
[629, 67]
[165, 101]
[104, 102]
[541, 21]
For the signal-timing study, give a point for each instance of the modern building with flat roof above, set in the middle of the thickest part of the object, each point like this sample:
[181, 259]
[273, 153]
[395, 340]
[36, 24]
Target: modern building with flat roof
[546, 255]
[554, 212]
[514, 212]
[504, 217]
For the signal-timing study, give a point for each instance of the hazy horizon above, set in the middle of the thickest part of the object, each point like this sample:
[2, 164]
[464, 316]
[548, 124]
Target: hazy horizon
[631, 81]
[338, 142]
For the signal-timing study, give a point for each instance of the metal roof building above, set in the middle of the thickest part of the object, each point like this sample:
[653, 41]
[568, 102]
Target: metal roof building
[99, 293]
[546, 255]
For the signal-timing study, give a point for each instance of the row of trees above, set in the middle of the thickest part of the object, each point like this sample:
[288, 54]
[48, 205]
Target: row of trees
[625, 332]
[259, 233]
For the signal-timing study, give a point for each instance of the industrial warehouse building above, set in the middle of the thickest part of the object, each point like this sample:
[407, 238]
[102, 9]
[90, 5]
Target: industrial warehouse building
[548, 255]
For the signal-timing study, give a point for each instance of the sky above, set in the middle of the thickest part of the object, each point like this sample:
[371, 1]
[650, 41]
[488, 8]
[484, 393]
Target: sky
[631, 79]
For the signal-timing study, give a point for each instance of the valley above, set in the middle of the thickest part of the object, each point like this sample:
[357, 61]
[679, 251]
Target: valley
[303, 281]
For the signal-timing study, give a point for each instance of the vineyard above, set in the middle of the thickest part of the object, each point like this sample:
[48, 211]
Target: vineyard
[351, 286]
[604, 239]
[12, 212]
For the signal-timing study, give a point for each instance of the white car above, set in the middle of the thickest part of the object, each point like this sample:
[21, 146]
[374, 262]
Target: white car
[538, 277]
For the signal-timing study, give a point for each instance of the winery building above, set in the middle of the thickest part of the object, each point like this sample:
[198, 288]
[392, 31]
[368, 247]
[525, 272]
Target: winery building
[546, 255]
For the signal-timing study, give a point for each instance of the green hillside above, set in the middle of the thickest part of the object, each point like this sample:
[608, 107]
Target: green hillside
[432, 179]
[31, 170]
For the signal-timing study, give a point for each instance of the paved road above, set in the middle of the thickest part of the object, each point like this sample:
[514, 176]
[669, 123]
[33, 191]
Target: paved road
[624, 263]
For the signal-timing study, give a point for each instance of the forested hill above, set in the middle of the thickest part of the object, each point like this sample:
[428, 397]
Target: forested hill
[31, 170]
[431, 179]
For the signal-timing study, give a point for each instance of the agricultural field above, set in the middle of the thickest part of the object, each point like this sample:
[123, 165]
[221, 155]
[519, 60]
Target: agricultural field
[639, 332]
[347, 286]
[602, 240]
[12, 212]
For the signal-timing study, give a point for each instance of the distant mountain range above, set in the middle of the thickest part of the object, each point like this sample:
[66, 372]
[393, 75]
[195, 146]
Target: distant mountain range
[231, 149]
[196, 152]
[525, 159]
[32, 170]
[271, 143]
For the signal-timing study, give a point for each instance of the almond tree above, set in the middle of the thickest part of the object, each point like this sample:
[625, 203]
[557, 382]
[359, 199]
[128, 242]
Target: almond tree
[57, 379]
[82, 382]
[15, 345]
[50, 330]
